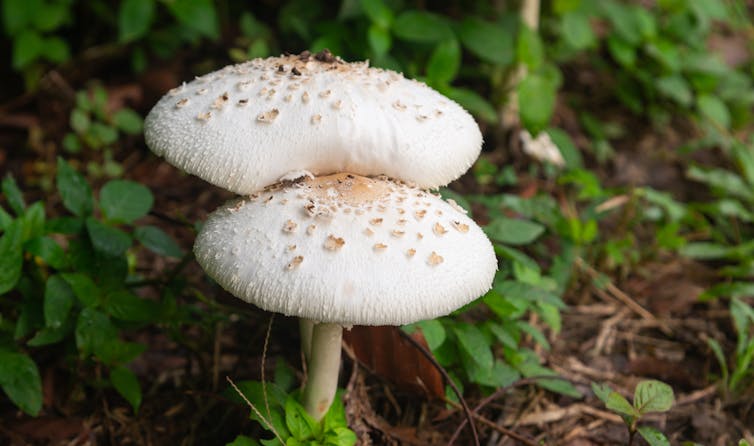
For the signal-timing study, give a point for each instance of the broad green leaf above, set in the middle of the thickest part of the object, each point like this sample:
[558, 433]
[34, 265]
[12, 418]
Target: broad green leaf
[601, 391]
[64, 225]
[705, 251]
[301, 425]
[722, 179]
[107, 239]
[157, 241]
[56, 50]
[676, 88]
[19, 378]
[471, 101]
[490, 42]
[134, 19]
[535, 334]
[27, 47]
[126, 306]
[434, 332]
[115, 352]
[475, 344]
[16, 15]
[49, 335]
[513, 231]
[530, 369]
[93, 331]
[127, 385]
[714, 109]
[667, 53]
[51, 16]
[653, 396]
[48, 250]
[378, 13]
[567, 148]
[500, 375]
[577, 30]
[617, 403]
[125, 201]
[622, 52]
[530, 50]
[84, 288]
[74, 190]
[422, 27]
[340, 436]
[444, 62]
[33, 220]
[13, 195]
[536, 98]
[653, 436]
[5, 219]
[197, 15]
[128, 121]
[11, 256]
[58, 301]
[379, 39]
[336, 414]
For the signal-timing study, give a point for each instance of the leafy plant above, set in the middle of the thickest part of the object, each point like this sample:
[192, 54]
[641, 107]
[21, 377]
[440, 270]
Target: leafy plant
[66, 282]
[649, 396]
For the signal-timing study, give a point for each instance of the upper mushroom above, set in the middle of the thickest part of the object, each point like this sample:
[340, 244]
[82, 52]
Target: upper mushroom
[245, 126]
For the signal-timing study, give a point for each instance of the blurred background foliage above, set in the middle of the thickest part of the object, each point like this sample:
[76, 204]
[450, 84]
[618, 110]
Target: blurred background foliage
[588, 79]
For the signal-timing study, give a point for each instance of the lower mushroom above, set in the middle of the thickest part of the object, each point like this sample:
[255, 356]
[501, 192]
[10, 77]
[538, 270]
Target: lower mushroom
[343, 250]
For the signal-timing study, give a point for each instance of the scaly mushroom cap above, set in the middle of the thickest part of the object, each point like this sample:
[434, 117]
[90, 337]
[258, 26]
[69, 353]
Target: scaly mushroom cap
[349, 250]
[246, 126]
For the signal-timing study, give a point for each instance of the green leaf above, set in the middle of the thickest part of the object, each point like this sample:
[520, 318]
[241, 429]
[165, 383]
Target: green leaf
[134, 19]
[536, 98]
[601, 391]
[490, 42]
[513, 231]
[714, 109]
[577, 30]
[422, 27]
[33, 220]
[471, 101]
[84, 288]
[58, 301]
[379, 39]
[530, 50]
[13, 195]
[243, 440]
[16, 14]
[56, 50]
[128, 121]
[434, 332]
[19, 378]
[667, 53]
[124, 305]
[500, 375]
[618, 404]
[622, 52]
[27, 47]
[74, 190]
[301, 425]
[197, 15]
[107, 239]
[125, 201]
[378, 13]
[48, 250]
[127, 385]
[653, 396]
[530, 368]
[723, 179]
[50, 17]
[340, 436]
[93, 332]
[676, 88]
[653, 436]
[444, 62]
[705, 251]
[11, 256]
[475, 344]
[567, 148]
[157, 241]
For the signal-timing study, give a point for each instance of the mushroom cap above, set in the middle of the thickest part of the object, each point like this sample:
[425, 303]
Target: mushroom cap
[349, 250]
[245, 126]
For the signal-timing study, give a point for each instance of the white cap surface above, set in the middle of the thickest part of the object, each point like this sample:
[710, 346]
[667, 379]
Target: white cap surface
[245, 126]
[347, 249]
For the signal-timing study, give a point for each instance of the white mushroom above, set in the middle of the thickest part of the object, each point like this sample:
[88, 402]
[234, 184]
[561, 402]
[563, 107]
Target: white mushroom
[339, 275]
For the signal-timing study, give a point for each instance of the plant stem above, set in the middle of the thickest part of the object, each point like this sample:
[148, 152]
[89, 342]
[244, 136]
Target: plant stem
[305, 327]
[323, 368]
[529, 15]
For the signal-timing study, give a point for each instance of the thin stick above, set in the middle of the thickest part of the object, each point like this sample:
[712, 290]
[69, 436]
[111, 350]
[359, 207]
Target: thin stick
[256, 411]
[450, 382]
[264, 358]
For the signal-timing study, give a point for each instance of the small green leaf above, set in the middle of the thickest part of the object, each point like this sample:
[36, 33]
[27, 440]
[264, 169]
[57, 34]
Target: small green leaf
[676, 88]
[56, 50]
[444, 62]
[619, 404]
[714, 109]
[134, 19]
[93, 331]
[513, 231]
[653, 396]
[243, 440]
[13, 195]
[471, 101]
[340, 436]
[490, 42]
[434, 333]
[558, 385]
[622, 52]
[475, 344]
[11, 256]
[125, 201]
[197, 15]
[19, 378]
[48, 250]
[577, 30]
[51, 16]
[157, 241]
[705, 251]
[301, 425]
[378, 13]
[128, 121]
[84, 288]
[601, 391]
[127, 385]
[530, 50]
[536, 98]
[422, 27]
[653, 436]
[379, 39]
[74, 190]
[27, 47]
[107, 239]
[124, 305]
[58, 301]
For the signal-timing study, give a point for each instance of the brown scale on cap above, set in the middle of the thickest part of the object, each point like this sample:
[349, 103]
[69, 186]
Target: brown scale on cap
[410, 252]
[182, 103]
[220, 101]
[460, 227]
[290, 226]
[310, 229]
[295, 262]
[269, 116]
[379, 246]
[333, 243]
[434, 259]
[204, 117]
[439, 229]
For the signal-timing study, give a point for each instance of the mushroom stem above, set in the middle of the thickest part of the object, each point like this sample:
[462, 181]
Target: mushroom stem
[323, 368]
[305, 327]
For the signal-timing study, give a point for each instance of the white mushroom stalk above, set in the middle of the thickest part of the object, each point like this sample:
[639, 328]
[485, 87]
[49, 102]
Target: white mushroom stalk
[346, 250]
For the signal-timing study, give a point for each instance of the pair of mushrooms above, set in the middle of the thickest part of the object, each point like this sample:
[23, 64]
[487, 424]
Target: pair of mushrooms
[360, 243]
